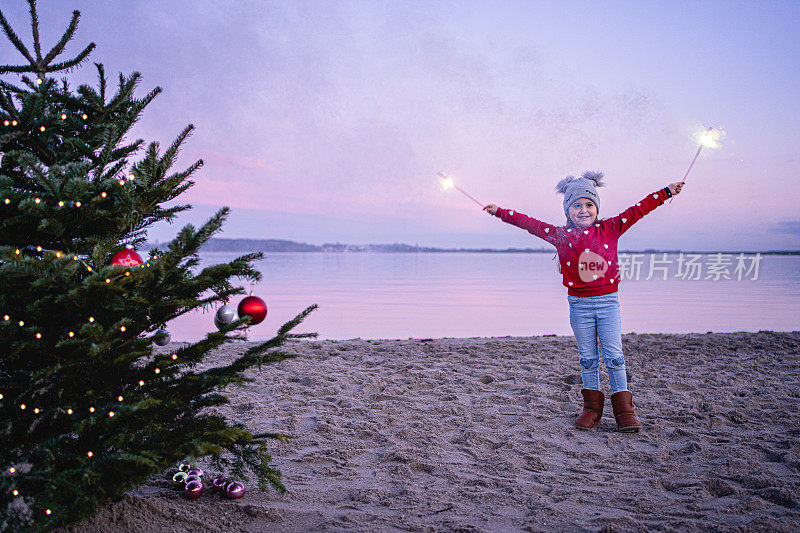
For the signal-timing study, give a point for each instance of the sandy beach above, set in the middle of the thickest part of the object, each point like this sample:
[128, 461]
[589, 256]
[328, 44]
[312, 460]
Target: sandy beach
[476, 434]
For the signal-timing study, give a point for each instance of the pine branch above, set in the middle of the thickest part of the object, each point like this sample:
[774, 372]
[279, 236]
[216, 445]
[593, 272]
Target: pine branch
[65, 38]
[35, 27]
[17, 42]
[72, 63]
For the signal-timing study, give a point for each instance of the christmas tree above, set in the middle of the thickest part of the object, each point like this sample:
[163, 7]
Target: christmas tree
[89, 408]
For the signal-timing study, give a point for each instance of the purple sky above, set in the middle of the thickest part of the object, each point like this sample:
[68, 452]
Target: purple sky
[327, 121]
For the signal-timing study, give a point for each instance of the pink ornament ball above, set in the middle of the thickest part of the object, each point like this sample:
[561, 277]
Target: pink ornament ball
[218, 484]
[195, 472]
[194, 489]
[234, 490]
[255, 308]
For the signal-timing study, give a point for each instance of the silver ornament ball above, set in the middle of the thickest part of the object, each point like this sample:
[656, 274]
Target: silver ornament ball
[224, 316]
[161, 337]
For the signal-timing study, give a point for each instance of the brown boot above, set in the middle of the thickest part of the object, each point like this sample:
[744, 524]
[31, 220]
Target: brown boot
[592, 409]
[621, 402]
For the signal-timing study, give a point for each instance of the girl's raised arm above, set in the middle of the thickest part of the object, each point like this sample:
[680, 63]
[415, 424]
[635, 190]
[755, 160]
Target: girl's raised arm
[531, 225]
[622, 222]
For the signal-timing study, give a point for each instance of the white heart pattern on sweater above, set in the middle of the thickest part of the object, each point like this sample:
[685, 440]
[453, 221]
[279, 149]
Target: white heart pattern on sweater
[547, 230]
[624, 220]
[605, 245]
[655, 196]
[586, 232]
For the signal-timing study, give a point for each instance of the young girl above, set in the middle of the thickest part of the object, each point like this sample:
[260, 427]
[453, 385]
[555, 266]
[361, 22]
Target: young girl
[587, 254]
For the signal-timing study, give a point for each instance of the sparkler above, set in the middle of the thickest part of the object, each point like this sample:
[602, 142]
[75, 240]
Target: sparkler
[447, 183]
[710, 138]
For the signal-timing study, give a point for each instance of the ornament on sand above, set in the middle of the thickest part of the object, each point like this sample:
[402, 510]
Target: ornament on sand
[234, 490]
[224, 316]
[254, 307]
[193, 489]
[710, 138]
[127, 257]
[447, 183]
[218, 484]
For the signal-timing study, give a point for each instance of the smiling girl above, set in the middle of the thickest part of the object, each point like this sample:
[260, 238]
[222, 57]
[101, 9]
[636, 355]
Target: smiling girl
[587, 252]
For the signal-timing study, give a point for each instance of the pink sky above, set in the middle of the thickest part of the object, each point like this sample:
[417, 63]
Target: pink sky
[327, 121]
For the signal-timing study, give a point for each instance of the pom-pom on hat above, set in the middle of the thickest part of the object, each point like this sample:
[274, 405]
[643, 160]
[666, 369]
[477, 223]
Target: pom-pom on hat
[584, 187]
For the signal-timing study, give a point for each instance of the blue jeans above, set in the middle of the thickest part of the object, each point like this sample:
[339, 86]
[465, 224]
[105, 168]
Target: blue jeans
[596, 318]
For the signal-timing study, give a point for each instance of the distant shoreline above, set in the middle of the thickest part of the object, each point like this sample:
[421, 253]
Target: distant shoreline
[280, 245]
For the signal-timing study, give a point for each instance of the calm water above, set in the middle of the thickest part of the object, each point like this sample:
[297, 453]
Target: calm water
[396, 296]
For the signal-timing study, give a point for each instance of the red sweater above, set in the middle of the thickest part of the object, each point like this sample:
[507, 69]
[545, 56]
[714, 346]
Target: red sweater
[588, 257]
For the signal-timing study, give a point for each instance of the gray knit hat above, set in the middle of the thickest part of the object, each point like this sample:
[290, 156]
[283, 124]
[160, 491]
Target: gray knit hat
[584, 187]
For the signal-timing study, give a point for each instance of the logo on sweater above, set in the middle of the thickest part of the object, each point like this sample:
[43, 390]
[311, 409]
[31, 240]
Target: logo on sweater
[591, 266]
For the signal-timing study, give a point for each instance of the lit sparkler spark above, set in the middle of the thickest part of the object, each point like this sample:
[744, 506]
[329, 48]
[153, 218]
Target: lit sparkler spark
[447, 183]
[710, 138]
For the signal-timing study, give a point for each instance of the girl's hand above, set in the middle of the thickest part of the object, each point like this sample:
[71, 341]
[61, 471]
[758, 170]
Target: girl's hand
[676, 187]
[491, 209]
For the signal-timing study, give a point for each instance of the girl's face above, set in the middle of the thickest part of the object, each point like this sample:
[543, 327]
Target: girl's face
[583, 212]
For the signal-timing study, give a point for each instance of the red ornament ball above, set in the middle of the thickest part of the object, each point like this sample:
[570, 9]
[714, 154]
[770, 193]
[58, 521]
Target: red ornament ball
[255, 308]
[126, 257]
